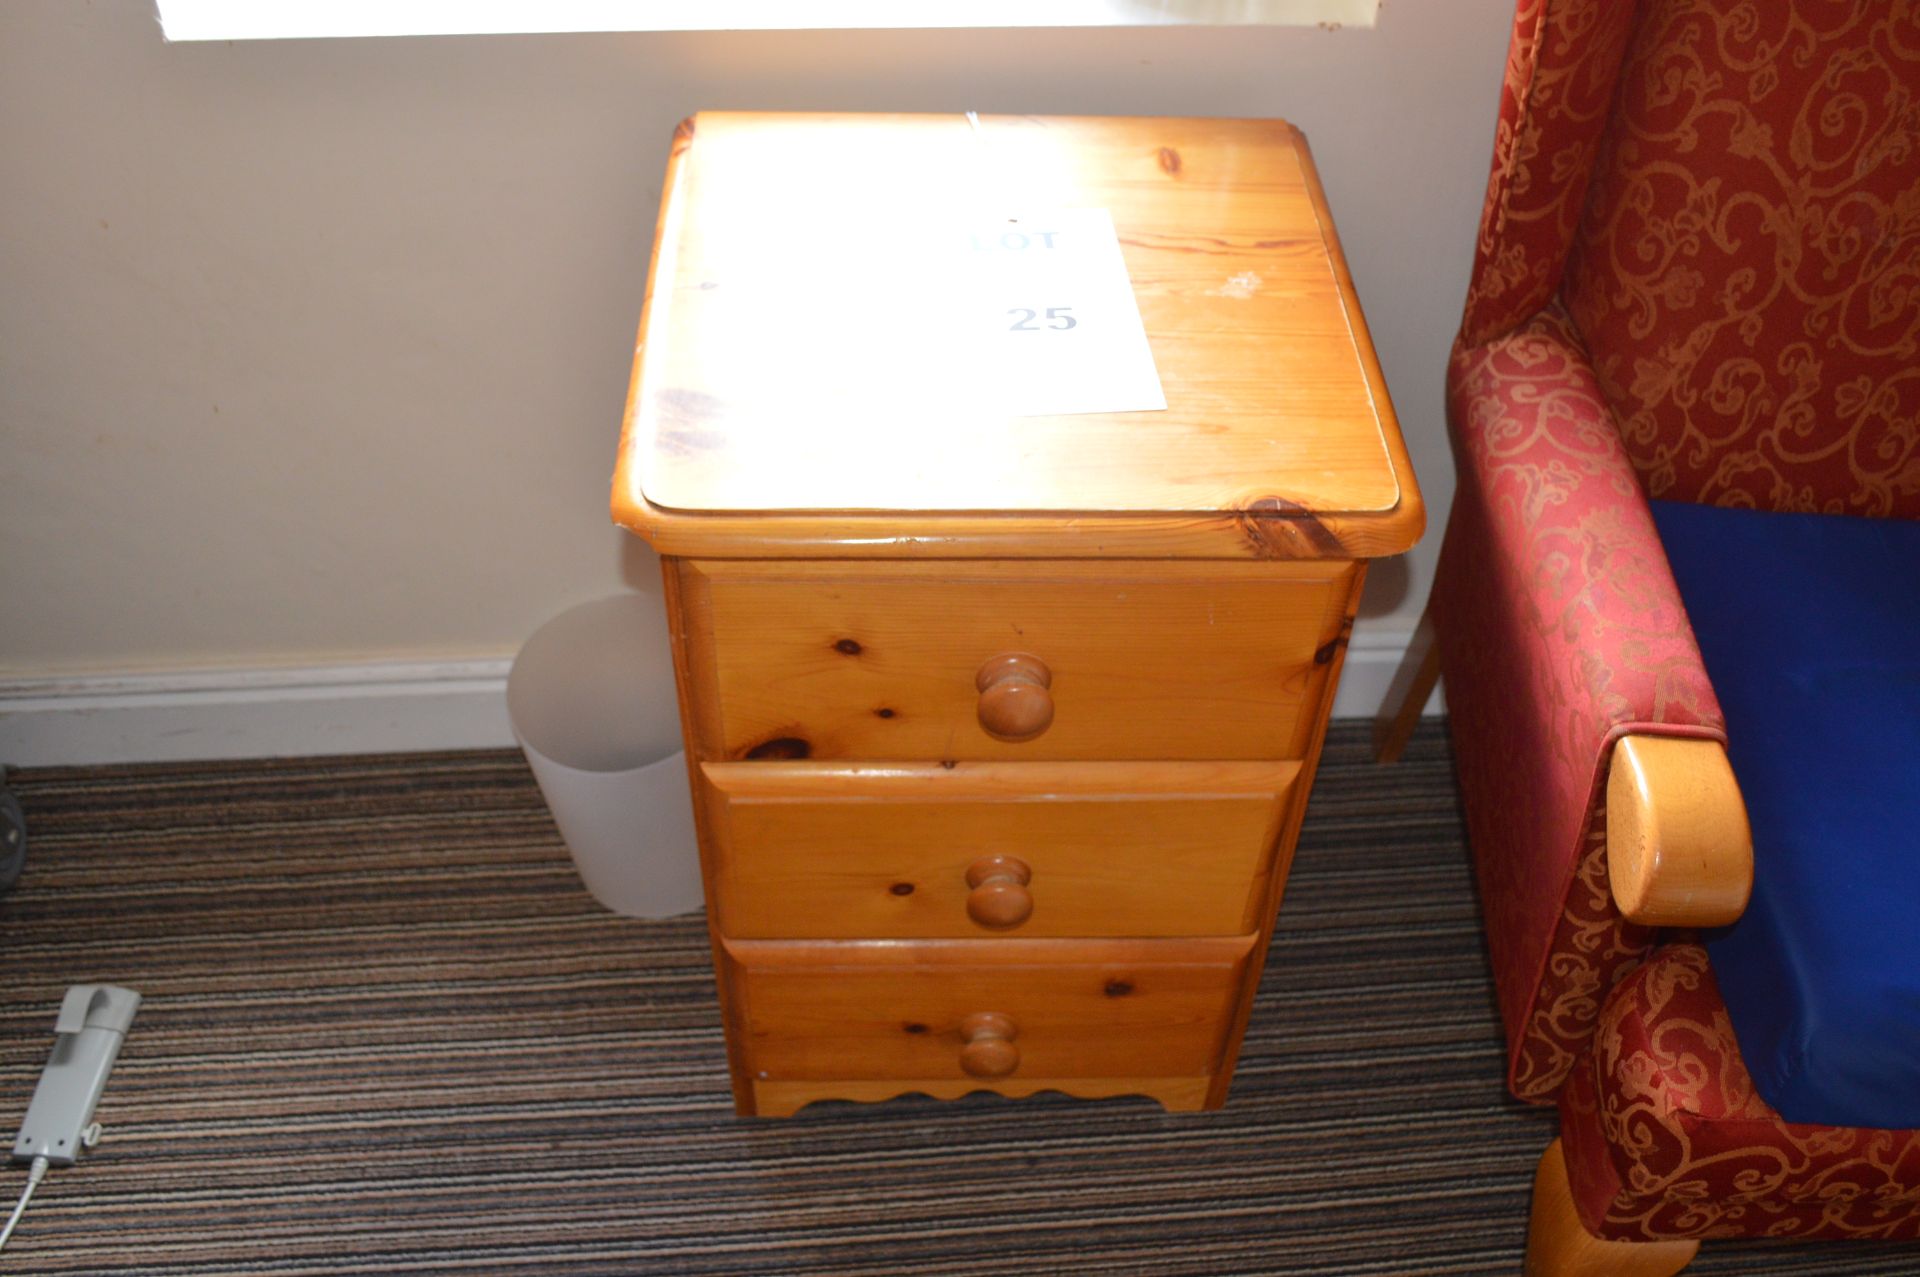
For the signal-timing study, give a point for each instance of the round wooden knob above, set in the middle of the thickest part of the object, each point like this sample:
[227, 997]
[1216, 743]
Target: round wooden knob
[1015, 704]
[989, 1049]
[999, 897]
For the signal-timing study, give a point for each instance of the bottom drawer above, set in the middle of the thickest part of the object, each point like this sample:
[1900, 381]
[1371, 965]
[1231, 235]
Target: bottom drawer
[1011, 1015]
[855, 851]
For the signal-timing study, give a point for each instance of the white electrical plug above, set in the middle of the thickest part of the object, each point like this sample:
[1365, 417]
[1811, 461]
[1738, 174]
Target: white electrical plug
[59, 1123]
[93, 1021]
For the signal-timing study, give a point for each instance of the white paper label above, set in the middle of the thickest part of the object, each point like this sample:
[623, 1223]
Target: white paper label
[949, 321]
[1050, 303]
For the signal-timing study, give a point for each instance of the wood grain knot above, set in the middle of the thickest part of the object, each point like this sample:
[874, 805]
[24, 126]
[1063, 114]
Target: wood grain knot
[1325, 653]
[1118, 988]
[780, 749]
[684, 421]
[911, 1027]
[848, 647]
[901, 888]
[1276, 528]
[682, 136]
[883, 712]
[1169, 161]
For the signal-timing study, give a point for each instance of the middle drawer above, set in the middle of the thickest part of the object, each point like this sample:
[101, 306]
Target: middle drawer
[832, 851]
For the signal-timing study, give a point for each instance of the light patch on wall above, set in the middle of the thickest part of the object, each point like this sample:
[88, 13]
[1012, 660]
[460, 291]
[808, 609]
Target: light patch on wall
[322, 19]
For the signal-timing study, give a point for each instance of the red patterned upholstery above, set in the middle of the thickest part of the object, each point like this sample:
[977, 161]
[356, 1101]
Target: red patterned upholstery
[1665, 1136]
[1560, 630]
[1698, 274]
[1553, 105]
[1747, 275]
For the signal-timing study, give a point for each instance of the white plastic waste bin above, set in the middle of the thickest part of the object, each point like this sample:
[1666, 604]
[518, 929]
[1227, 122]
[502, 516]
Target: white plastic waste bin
[592, 703]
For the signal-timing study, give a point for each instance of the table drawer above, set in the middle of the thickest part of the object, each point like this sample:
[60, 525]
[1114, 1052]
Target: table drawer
[910, 661]
[840, 850]
[993, 1011]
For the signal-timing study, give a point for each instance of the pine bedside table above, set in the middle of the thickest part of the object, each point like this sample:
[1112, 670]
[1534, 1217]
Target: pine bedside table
[1000, 725]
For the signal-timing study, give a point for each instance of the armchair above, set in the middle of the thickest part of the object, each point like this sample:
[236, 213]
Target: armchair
[1697, 280]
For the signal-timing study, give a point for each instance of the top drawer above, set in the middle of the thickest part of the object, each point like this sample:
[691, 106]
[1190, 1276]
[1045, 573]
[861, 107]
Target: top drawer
[911, 661]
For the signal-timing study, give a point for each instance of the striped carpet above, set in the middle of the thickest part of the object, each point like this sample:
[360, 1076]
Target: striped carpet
[387, 1032]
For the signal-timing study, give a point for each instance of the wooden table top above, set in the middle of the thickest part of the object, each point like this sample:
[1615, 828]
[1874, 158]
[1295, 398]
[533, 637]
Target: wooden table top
[786, 401]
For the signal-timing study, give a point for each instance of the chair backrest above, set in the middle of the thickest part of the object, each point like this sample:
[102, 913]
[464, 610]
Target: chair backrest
[1746, 269]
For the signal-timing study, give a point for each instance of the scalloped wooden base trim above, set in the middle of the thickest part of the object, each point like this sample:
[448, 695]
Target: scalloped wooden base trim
[784, 1099]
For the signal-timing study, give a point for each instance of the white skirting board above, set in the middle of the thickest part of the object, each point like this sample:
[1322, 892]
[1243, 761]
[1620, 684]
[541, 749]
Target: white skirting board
[1372, 658]
[359, 708]
[362, 708]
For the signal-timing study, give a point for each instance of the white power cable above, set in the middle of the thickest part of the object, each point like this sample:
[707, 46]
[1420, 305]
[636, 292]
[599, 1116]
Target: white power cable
[35, 1174]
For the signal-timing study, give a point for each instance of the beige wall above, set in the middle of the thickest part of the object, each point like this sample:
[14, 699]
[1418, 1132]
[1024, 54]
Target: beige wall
[315, 351]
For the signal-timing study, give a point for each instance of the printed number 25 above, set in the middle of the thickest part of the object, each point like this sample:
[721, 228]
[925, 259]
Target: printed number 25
[1059, 317]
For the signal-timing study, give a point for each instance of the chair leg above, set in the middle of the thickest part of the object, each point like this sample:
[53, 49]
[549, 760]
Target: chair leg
[1407, 696]
[1559, 1246]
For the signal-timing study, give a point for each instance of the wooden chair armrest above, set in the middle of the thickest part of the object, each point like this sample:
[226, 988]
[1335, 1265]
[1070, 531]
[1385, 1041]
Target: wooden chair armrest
[1679, 850]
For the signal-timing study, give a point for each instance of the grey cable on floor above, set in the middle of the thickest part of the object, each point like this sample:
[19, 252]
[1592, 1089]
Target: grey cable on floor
[35, 1174]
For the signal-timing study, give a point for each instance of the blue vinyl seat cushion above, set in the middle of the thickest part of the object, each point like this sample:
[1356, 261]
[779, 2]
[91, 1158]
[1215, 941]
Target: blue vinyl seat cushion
[1810, 629]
